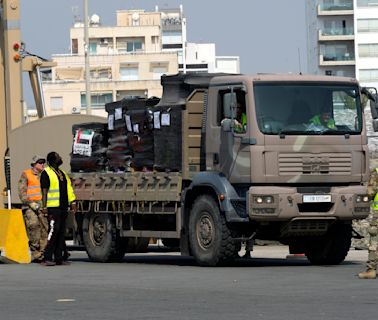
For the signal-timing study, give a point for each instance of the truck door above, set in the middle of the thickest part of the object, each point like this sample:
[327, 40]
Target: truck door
[225, 150]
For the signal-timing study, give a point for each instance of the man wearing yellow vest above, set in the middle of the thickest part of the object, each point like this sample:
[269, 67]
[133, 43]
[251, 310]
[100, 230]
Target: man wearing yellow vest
[29, 191]
[57, 198]
[240, 122]
[371, 264]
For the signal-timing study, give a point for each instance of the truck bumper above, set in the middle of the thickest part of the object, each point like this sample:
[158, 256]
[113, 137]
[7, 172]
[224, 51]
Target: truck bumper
[285, 203]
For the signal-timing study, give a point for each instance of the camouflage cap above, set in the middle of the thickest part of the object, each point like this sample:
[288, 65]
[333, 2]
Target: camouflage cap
[36, 158]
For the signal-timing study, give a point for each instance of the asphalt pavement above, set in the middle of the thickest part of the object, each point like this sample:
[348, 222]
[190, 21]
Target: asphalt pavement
[164, 285]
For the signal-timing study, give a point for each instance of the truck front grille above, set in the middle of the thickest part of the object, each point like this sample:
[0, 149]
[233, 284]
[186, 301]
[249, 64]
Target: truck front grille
[311, 164]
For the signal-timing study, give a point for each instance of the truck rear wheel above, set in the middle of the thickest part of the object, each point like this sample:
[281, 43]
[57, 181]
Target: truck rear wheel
[101, 238]
[332, 248]
[210, 238]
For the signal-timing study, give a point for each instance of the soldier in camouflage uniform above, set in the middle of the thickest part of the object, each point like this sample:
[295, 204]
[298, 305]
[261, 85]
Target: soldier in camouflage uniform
[29, 191]
[371, 271]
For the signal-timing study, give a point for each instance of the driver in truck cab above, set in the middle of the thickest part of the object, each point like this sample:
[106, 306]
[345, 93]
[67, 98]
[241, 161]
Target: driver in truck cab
[323, 119]
[240, 123]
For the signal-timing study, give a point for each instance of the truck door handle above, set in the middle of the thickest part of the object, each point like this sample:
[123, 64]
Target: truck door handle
[215, 158]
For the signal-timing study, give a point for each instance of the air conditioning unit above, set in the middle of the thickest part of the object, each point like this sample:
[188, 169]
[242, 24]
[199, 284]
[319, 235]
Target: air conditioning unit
[76, 110]
[104, 41]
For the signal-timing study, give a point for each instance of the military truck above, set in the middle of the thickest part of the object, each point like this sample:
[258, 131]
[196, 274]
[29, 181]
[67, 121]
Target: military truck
[283, 177]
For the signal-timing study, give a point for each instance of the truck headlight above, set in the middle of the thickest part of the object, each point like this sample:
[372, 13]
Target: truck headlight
[259, 200]
[263, 199]
[362, 198]
[269, 199]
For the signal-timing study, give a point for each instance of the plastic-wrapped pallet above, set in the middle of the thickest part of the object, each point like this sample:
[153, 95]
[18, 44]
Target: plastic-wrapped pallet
[139, 123]
[119, 153]
[167, 138]
[89, 147]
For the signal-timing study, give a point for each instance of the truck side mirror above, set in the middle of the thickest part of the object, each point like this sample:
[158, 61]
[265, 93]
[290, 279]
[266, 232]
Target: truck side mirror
[374, 109]
[372, 95]
[375, 125]
[229, 105]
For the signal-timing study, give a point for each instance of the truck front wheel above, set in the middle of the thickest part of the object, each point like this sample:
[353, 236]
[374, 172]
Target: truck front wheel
[210, 238]
[101, 238]
[332, 248]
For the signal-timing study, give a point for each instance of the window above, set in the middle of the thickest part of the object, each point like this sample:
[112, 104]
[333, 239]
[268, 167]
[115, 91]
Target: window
[129, 73]
[98, 100]
[74, 46]
[171, 37]
[92, 47]
[367, 25]
[367, 3]
[368, 75]
[368, 50]
[239, 114]
[158, 71]
[307, 109]
[121, 45]
[101, 73]
[133, 46]
[56, 103]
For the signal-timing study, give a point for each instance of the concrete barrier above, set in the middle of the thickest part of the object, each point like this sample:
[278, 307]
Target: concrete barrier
[14, 246]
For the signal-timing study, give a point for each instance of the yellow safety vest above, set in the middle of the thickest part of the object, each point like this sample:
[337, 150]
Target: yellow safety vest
[330, 124]
[53, 195]
[375, 201]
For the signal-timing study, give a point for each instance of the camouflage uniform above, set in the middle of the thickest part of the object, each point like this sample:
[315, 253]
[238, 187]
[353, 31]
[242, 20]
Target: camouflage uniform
[36, 224]
[371, 264]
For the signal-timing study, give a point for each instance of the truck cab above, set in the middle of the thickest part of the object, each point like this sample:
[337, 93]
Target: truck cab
[296, 171]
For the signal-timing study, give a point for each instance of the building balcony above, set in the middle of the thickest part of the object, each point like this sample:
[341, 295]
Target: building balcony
[335, 9]
[337, 60]
[339, 34]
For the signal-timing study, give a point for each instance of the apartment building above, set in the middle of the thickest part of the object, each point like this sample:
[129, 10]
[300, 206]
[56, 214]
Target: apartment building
[342, 38]
[343, 41]
[126, 59]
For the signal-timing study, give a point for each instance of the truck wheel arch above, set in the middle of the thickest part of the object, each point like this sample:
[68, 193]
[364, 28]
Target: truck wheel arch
[214, 184]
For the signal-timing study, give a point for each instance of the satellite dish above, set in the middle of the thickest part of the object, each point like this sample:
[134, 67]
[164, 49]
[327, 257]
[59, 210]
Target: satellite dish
[95, 19]
[135, 16]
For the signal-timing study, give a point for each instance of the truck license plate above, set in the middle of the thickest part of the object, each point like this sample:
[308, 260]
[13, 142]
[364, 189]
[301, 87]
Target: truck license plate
[316, 198]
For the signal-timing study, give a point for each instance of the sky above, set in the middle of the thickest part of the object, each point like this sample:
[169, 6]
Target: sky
[269, 36]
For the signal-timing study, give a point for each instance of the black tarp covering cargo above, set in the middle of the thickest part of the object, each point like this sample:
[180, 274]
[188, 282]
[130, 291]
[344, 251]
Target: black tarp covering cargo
[119, 152]
[89, 147]
[130, 134]
[168, 117]
[139, 123]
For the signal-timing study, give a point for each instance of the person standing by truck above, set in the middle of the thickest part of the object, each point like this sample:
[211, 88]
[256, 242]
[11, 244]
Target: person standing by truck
[29, 191]
[57, 197]
[371, 264]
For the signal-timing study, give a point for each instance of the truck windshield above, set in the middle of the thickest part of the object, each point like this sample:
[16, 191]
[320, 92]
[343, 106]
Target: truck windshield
[307, 108]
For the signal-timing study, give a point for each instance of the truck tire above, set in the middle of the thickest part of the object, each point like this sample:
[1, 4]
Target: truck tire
[101, 238]
[332, 248]
[210, 238]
